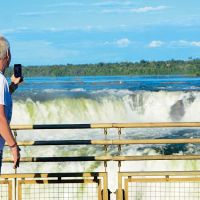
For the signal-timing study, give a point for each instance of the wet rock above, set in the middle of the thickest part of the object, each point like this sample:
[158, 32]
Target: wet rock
[177, 111]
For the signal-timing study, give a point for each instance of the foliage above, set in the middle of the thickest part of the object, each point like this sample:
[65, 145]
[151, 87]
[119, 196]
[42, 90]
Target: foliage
[170, 67]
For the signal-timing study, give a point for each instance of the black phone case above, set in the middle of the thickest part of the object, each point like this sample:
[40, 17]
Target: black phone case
[17, 70]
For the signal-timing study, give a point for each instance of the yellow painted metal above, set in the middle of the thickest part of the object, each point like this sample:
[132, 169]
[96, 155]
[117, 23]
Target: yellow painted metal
[10, 190]
[126, 181]
[160, 173]
[157, 125]
[85, 178]
[105, 158]
[156, 177]
[146, 125]
[112, 142]
[20, 189]
[107, 125]
[105, 186]
[9, 185]
[46, 181]
[119, 190]
[147, 180]
[52, 175]
[99, 190]
[21, 127]
[149, 141]
[153, 157]
[99, 178]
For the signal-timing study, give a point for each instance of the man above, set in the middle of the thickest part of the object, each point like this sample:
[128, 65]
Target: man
[6, 104]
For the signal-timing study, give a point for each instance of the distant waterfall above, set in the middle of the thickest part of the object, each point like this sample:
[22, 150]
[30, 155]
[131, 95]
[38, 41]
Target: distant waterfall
[111, 106]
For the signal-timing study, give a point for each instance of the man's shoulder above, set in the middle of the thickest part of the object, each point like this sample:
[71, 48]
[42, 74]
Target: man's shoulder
[3, 81]
[2, 78]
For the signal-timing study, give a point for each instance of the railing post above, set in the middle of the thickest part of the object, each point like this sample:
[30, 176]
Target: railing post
[119, 147]
[105, 147]
[119, 135]
[119, 190]
[105, 186]
[15, 179]
[10, 191]
[20, 188]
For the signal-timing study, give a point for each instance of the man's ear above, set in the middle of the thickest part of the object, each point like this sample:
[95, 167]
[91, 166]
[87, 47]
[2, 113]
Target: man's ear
[7, 53]
[8, 56]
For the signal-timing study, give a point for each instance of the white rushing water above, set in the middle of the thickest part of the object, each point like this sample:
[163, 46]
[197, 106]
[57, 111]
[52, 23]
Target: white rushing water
[112, 106]
[109, 107]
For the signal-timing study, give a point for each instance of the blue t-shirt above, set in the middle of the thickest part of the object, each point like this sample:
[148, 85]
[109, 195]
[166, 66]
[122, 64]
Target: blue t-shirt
[6, 100]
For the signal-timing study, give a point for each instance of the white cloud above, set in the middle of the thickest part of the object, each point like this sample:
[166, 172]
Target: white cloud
[195, 43]
[155, 44]
[75, 28]
[10, 30]
[113, 3]
[114, 10]
[184, 43]
[65, 4]
[5, 31]
[124, 42]
[104, 3]
[148, 9]
[38, 13]
[135, 10]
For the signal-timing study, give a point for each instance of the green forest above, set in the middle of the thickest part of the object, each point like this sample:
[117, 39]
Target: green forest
[172, 67]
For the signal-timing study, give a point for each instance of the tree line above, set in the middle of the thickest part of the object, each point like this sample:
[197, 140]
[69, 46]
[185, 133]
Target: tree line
[170, 67]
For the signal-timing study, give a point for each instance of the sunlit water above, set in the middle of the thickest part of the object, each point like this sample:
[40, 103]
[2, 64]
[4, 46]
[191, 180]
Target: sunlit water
[66, 100]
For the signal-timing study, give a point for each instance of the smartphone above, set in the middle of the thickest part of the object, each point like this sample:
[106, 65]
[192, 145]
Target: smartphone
[17, 70]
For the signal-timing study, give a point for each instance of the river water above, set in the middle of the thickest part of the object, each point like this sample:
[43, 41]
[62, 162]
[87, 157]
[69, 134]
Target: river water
[106, 99]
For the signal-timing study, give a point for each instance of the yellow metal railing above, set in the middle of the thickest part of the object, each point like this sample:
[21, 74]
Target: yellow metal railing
[106, 125]
[158, 185]
[55, 186]
[20, 181]
[5, 189]
[106, 142]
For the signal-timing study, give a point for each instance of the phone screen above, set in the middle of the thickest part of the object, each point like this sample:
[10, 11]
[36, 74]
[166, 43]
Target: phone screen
[18, 70]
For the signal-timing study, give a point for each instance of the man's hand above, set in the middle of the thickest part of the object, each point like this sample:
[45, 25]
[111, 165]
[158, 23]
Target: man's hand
[14, 83]
[16, 156]
[15, 80]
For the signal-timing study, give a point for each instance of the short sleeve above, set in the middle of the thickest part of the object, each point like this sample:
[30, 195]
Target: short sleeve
[2, 90]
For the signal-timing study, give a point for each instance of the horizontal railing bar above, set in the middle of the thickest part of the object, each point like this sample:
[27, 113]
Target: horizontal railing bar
[52, 159]
[105, 158]
[106, 125]
[55, 142]
[50, 126]
[148, 125]
[146, 141]
[100, 174]
[156, 157]
[161, 173]
[53, 175]
[110, 142]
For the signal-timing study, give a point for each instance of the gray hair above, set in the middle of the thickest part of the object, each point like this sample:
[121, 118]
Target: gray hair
[4, 47]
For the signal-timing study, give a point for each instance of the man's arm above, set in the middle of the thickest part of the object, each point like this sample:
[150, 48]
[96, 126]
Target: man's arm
[8, 136]
[14, 83]
[12, 87]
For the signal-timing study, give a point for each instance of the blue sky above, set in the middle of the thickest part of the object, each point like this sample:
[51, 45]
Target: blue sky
[45, 32]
